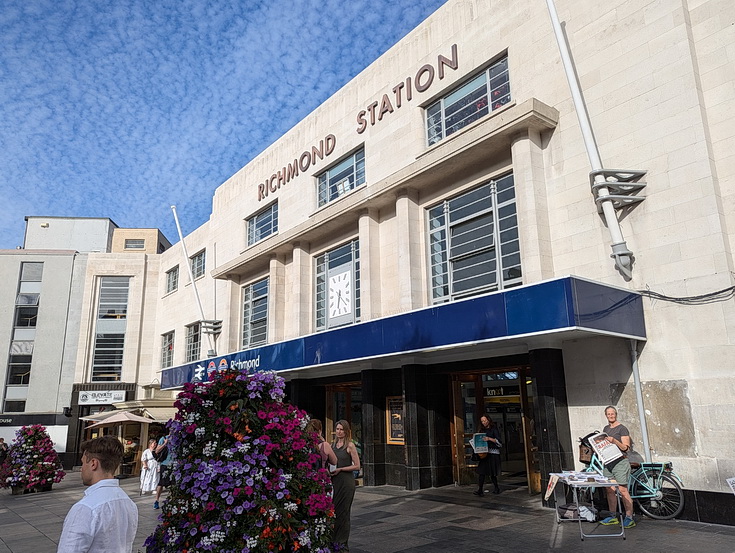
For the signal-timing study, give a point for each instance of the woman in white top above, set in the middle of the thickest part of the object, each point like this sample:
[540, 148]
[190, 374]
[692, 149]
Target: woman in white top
[149, 473]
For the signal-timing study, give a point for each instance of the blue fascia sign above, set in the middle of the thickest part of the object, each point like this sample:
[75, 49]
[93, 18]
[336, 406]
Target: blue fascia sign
[561, 304]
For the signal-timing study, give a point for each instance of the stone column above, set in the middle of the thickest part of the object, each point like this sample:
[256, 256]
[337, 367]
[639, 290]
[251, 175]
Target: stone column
[298, 294]
[369, 233]
[409, 277]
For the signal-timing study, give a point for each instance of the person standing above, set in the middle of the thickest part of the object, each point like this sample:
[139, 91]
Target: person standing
[149, 474]
[106, 519]
[619, 469]
[325, 450]
[3, 450]
[164, 458]
[343, 481]
[490, 464]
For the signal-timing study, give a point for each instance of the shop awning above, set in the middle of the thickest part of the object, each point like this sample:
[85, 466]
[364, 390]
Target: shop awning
[524, 317]
[160, 414]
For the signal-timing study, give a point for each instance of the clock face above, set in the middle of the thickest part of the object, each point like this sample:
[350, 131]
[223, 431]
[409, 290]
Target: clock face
[340, 294]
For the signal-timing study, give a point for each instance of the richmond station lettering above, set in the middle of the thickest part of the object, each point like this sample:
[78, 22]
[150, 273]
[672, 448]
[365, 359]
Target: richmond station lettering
[401, 93]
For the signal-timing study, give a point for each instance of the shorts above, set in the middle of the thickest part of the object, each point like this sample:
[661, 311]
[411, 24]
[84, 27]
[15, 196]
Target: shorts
[165, 480]
[619, 470]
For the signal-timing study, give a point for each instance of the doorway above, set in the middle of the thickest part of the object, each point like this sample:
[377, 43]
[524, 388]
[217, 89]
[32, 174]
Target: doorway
[506, 396]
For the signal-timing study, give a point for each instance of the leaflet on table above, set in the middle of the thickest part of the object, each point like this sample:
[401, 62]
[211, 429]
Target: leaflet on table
[606, 451]
[478, 444]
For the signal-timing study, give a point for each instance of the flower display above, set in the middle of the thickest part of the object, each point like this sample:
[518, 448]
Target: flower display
[245, 476]
[32, 461]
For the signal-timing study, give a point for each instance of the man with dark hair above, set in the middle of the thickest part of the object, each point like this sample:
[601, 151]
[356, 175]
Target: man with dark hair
[106, 519]
[164, 457]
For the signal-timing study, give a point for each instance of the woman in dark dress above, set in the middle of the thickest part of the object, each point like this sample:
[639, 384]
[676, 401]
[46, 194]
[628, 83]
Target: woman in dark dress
[343, 481]
[490, 464]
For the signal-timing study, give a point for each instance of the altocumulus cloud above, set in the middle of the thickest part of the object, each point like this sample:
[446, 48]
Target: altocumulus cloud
[121, 108]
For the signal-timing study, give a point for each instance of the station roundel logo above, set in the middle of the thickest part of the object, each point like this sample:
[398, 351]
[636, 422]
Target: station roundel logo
[211, 368]
[223, 364]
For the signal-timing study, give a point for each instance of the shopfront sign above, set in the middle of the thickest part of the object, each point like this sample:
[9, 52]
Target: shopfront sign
[104, 397]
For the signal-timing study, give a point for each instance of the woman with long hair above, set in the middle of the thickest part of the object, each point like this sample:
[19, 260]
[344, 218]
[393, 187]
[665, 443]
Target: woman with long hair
[343, 481]
[323, 448]
[490, 463]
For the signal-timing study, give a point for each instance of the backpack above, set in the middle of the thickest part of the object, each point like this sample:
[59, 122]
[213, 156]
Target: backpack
[162, 455]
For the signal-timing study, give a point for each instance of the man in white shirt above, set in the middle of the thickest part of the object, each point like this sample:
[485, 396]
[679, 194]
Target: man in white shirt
[106, 519]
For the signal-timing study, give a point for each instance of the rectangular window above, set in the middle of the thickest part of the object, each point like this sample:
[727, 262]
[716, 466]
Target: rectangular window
[255, 314]
[134, 244]
[172, 280]
[27, 299]
[107, 361]
[167, 350]
[193, 342]
[26, 316]
[346, 175]
[338, 286]
[31, 272]
[473, 242]
[15, 406]
[263, 224]
[19, 370]
[484, 93]
[113, 302]
[197, 264]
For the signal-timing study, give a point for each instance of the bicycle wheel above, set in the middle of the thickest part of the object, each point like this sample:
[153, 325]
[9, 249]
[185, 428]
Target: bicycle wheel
[668, 502]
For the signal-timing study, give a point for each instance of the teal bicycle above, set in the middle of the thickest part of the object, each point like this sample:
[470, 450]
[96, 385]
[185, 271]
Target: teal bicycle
[655, 487]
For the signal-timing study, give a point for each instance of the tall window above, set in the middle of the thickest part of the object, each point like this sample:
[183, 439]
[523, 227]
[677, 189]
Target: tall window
[338, 286]
[341, 178]
[134, 244]
[197, 264]
[109, 345]
[167, 349]
[473, 242]
[255, 314]
[19, 370]
[484, 93]
[113, 297]
[172, 280]
[263, 224]
[193, 342]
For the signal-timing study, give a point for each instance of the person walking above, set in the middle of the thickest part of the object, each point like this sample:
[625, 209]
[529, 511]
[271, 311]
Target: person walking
[619, 469]
[3, 450]
[106, 519]
[149, 473]
[343, 481]
[164, 458]
[490, 463]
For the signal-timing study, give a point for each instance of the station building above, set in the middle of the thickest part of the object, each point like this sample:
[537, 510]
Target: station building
[431, 244]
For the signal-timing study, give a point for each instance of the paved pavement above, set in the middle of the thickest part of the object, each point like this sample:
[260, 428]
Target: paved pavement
[387, 519]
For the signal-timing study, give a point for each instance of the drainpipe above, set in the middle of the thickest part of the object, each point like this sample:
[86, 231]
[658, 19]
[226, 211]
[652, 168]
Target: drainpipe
[620, 253]
[639, 399]
[212, 352]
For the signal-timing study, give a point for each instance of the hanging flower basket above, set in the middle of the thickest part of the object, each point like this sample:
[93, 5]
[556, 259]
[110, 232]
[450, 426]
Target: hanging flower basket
[243, 473]
[32, 463]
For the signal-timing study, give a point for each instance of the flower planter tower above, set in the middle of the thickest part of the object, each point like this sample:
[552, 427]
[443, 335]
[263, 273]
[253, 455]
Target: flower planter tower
[32, 464]
[243, 475]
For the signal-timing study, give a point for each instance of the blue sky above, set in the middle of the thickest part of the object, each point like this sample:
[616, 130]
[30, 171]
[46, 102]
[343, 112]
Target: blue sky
[122, 108]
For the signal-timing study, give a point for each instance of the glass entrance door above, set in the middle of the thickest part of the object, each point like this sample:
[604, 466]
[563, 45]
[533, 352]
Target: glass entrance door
[502, 395]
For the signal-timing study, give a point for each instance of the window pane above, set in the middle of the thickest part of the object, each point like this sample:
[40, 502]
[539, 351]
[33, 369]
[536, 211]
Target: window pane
[19, 370]
[27, 299]
[263, 224]
[167, 350]
[341, 178]
[113, 303]
[172, 280]
[197, 264]
[26, 317]
[108, 357]
[134, 244]
[31, 272]
[469, 102]
[255, 313]
[193, 342]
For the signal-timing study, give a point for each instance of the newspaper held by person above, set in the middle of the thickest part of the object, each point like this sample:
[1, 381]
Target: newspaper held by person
[606, 451]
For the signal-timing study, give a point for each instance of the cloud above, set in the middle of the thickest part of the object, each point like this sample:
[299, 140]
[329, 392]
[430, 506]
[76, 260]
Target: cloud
[121, 108]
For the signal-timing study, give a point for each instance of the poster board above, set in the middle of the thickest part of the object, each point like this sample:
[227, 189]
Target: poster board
[394, 420]
[606, 451]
